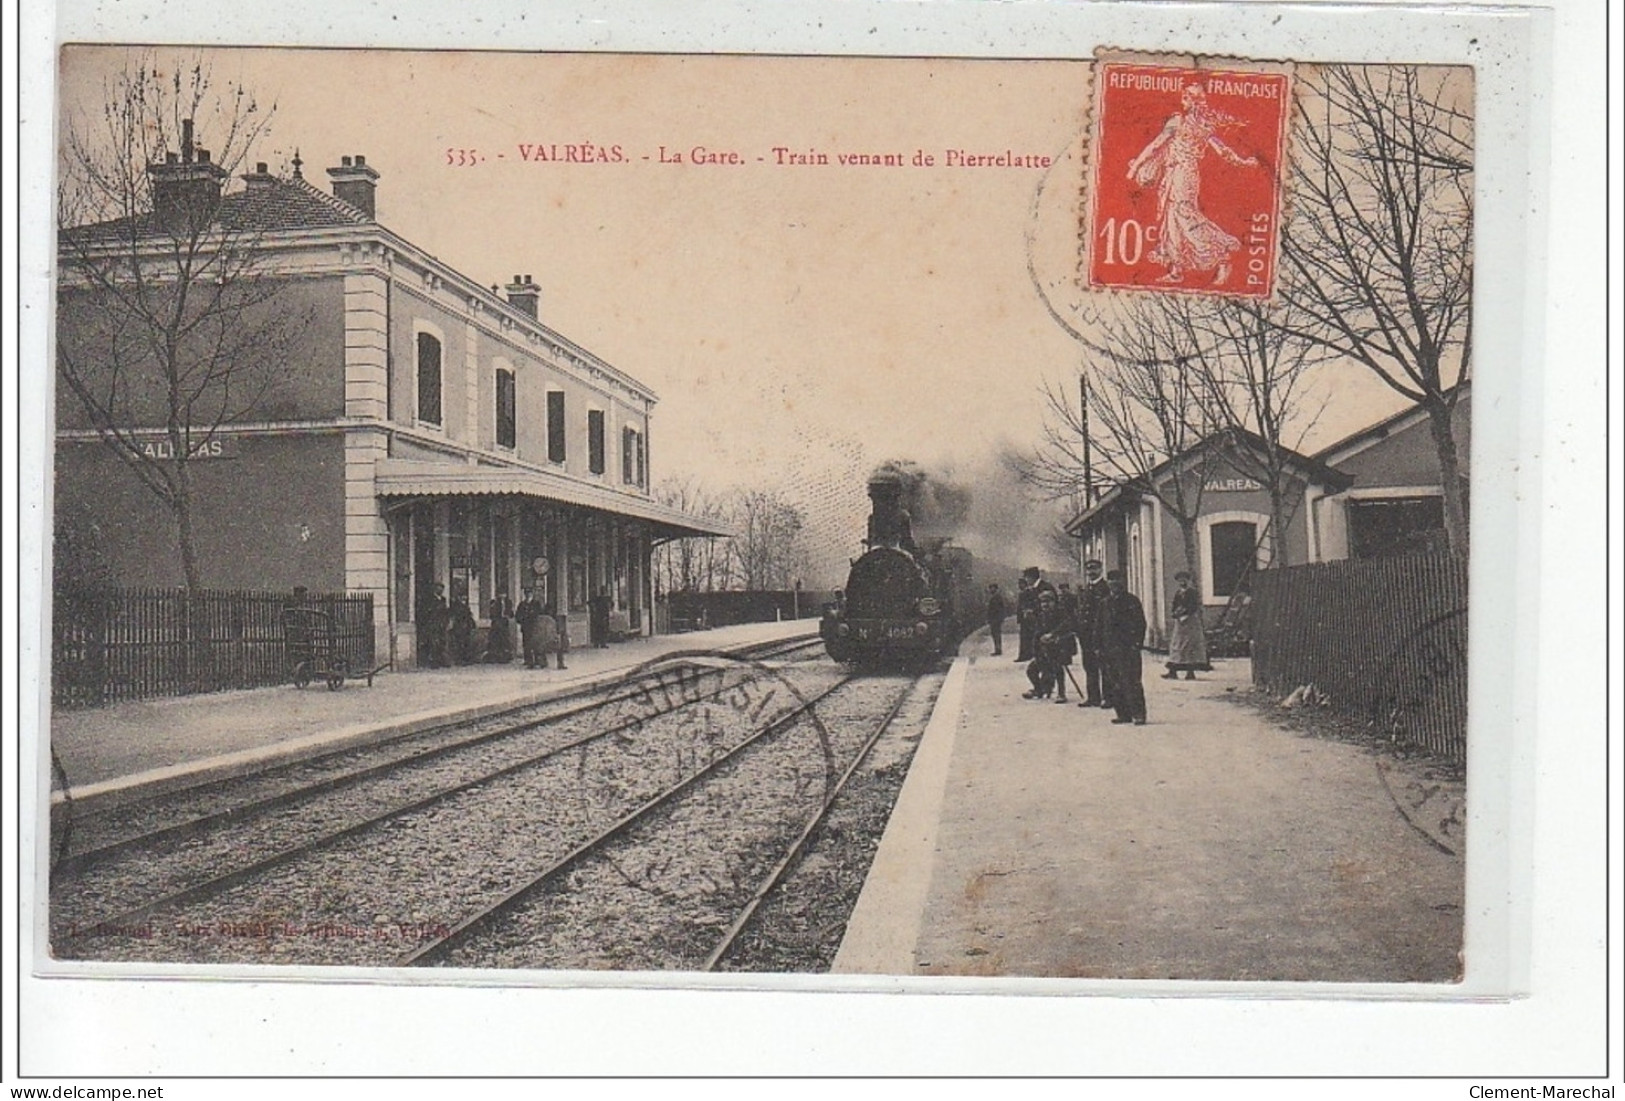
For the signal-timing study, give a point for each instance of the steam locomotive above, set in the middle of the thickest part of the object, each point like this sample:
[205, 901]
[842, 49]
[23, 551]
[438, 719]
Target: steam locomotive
[904, 603]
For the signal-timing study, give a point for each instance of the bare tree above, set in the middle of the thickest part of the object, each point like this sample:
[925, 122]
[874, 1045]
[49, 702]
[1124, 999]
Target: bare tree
[768, 553]
[1146, 409]
[689, 565]
[1377, 253]
[169, 330]
[1253, 369]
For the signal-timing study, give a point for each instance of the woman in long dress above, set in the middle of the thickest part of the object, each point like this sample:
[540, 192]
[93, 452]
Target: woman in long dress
[1187, 240]
[1187, 641]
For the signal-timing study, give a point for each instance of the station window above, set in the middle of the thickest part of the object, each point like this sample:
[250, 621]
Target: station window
[595, 441]
[506, 409]
[555, 426]
[1235, 556]
[428, 379]
[632, 456]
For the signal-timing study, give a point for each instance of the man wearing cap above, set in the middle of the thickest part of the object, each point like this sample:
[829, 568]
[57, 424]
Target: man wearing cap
[1092, 597]
[1124, 633]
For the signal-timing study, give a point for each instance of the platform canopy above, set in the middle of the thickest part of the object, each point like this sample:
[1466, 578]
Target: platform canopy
[401, 478]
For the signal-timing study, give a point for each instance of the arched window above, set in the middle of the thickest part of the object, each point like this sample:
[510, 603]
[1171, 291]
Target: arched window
[428, 378]
[1235, 556]
[1234, 545]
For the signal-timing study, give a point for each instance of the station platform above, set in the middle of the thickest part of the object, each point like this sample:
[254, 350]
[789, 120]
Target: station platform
[128, 750]
[1038, 840]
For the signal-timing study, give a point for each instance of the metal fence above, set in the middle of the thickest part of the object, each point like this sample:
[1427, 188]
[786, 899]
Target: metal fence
[111, 644]
[683, 611]
[1383, 637]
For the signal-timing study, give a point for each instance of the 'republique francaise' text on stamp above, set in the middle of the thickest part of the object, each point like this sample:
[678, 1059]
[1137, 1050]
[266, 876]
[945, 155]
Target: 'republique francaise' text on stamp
[1186, 177]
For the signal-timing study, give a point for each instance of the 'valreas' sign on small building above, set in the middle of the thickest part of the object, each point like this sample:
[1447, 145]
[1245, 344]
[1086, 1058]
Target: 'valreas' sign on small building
[1232, 485]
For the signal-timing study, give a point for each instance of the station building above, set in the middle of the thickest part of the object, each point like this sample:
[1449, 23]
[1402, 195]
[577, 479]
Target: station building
[418, 426]
[1372, 494]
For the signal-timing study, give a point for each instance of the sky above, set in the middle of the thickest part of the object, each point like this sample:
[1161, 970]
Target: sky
[801, 323]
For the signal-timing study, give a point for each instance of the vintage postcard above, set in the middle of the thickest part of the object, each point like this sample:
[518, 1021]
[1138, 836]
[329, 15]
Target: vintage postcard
[565, 517]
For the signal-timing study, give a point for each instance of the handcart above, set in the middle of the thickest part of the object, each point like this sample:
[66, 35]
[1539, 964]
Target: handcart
[314, 652]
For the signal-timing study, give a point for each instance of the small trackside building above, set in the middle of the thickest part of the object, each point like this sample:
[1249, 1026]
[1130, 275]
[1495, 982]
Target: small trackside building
[1373, 494]
[419, 428]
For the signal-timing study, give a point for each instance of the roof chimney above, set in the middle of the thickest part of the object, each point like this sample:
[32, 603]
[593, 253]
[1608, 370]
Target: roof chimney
[525, 295]
[356, 184]
[259, 179]
[185, 188]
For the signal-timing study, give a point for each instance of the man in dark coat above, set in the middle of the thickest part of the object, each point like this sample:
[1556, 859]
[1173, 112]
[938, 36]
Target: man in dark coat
[1052, 650]
[529, 615]
[598, 618]
[1026, 608]
[997, 609]
[461, 631]
[499, 638]
[1090, 621]
[1125, 632]
[433, 619]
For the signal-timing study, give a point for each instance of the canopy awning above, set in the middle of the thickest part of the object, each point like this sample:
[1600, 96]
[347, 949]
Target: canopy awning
[400, 478]
[1121, 492]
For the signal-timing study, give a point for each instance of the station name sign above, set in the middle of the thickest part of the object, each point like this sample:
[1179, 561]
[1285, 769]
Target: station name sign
[1232, 485]
[220, 447]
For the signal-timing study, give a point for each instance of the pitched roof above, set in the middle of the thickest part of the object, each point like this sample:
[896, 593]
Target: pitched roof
[1133, 489]
[271, 204]
[1387, 426]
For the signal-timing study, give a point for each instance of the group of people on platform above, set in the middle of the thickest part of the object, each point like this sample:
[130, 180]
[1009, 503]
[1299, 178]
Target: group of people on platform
[1103, 625]
[446, 632]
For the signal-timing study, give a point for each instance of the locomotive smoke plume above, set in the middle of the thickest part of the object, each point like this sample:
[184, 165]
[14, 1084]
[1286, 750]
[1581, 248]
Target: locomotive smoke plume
[937, 504]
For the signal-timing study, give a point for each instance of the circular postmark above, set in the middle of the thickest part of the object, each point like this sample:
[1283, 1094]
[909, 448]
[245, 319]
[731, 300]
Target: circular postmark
[1420, 692]
[686, 718]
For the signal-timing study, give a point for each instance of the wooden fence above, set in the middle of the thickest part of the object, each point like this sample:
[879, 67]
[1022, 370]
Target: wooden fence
[1385, 638]
[128, 644]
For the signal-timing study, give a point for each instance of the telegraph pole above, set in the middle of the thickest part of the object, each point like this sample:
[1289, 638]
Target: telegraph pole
[1083, 420]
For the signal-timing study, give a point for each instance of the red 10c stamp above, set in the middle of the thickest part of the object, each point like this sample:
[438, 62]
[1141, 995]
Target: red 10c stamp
[1187, 169]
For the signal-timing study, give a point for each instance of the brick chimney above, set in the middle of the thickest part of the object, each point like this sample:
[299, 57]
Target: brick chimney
[356, 184]
[259, 179]
[525, 295]
[186, 185]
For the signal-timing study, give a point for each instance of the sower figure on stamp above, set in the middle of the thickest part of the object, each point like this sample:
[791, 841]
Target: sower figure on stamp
[1187, 239]
[1187, 639]
[996, 611]
[1125, 631]
[1091, 628]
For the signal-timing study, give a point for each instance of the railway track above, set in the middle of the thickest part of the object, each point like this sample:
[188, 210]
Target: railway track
[252, 899]
[95, 837]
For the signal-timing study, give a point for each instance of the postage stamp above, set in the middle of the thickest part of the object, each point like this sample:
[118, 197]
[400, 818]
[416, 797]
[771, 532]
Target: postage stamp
[1187, 170]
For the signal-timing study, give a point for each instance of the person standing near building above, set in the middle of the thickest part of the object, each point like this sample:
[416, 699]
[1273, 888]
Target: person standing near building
[499, 639]
[598, 618]
[529, 616]
[1187, 638]
[1052, 648]
[461, 631]
[433, 619]
[997, 609]
[1125, 631]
